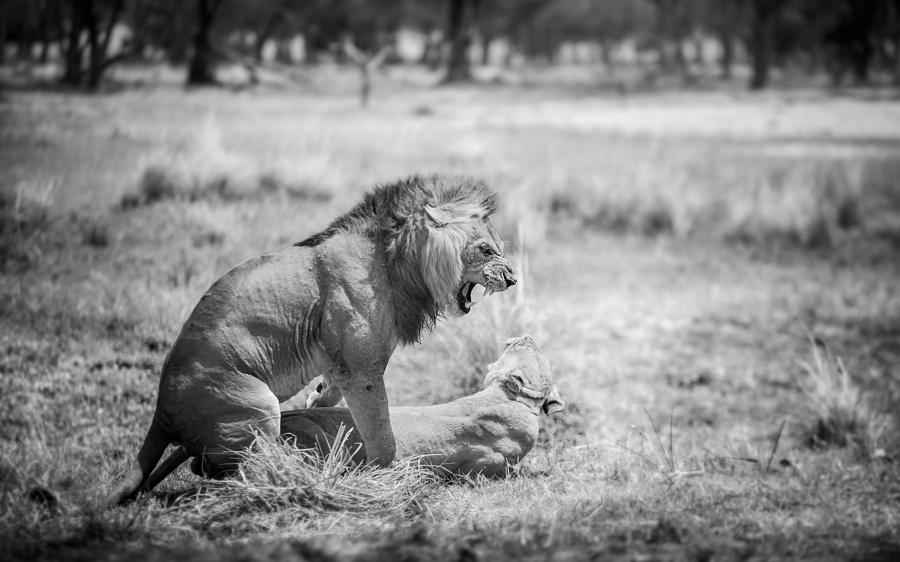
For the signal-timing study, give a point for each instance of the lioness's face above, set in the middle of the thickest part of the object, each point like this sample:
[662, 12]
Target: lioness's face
[483, 265]
[525, 372]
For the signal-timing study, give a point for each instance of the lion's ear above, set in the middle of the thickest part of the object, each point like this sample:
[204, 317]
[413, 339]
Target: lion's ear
[447, 214]
[438, 217]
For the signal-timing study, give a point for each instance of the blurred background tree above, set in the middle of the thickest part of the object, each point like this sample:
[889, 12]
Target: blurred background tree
[849, 41]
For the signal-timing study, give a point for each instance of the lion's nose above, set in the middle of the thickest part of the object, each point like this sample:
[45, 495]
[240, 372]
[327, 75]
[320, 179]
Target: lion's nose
[509, 276]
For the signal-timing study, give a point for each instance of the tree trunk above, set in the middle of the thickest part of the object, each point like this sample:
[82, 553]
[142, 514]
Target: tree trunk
[864, 20]
[431, 55]
[862, 61]
[200, 68]
[459, 35]
[264, 34]
[895, 62]
[3, 9]
[43, 31]
[74, 63]
[726, 61]
[94, 55]
[44, 55]
[258, 46]
[99, 60]
[365, 85]
[761, 39]
[486, 50]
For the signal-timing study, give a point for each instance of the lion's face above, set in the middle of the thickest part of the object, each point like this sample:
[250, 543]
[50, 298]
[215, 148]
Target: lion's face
[483, 264]
[525, 374]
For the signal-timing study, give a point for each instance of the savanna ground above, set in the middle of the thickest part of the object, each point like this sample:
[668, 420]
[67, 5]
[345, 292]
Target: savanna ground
[714, 277]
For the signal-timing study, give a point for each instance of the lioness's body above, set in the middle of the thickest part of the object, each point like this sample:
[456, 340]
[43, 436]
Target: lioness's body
[482, 433]
[485, 433]
[336, 305]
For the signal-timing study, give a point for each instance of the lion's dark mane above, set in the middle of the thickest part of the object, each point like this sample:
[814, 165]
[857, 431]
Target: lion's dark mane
[393, 216]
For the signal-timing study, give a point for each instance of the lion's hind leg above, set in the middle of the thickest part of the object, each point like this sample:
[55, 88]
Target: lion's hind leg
[221, 438]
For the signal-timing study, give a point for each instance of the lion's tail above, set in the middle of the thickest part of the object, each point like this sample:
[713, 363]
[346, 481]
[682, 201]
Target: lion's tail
[138, 478]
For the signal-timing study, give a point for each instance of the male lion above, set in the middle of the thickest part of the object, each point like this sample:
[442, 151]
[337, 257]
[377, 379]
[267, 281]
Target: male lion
[484, 433]
[336, 304]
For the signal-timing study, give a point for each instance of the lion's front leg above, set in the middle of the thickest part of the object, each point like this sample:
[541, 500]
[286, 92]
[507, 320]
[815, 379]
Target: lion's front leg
[367, 399]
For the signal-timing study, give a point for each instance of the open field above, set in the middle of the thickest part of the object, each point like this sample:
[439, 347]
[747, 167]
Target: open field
[713, 277]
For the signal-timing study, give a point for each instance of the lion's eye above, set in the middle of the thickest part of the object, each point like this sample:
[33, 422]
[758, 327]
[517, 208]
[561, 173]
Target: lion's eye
[486, 249]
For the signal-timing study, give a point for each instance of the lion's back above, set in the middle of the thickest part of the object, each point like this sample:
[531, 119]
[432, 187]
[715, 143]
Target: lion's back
[262, 299]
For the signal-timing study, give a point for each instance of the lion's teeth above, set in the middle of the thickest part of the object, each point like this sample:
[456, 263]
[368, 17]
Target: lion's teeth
[478, 293]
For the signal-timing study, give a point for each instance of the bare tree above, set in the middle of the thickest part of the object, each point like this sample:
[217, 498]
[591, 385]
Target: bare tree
[366, 63]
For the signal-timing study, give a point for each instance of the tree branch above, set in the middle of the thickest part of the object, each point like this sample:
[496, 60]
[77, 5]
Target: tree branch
[379, 58]
[353, 52]
[113, 18]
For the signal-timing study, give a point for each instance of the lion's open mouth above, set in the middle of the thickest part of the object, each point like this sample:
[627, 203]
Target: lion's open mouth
[469, 294]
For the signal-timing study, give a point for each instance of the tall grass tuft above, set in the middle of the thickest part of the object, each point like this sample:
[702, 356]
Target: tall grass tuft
[755, 200]
[844, 416]
[25, 218]
[201, 167]
[300, 484]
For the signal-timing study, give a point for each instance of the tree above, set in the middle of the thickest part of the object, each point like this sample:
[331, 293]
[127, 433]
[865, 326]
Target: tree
[725, 20]
[764, 15]
[461, 16]
[201, 70]
[96, 20]
[853, 35]
[605, 23]
[365, 63]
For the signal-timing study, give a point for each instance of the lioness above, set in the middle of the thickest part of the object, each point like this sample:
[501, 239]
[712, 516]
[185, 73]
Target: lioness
[335, 304]
[483, 433]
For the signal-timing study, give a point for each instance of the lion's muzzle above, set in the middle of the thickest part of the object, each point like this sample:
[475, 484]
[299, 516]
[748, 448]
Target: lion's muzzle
[499, 275]
[509, 276]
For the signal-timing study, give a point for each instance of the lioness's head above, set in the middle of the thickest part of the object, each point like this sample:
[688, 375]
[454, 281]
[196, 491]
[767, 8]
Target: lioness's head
[461, 250]
[524, 374]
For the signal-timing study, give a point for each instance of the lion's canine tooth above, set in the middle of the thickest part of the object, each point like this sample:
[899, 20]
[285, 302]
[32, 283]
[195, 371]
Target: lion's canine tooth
[478, 293]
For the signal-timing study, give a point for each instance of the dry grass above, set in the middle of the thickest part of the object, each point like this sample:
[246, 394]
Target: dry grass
[279, 484]
[668, 277]
[844, 415]
[200, 167]
[25, 216]
[745, 199]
